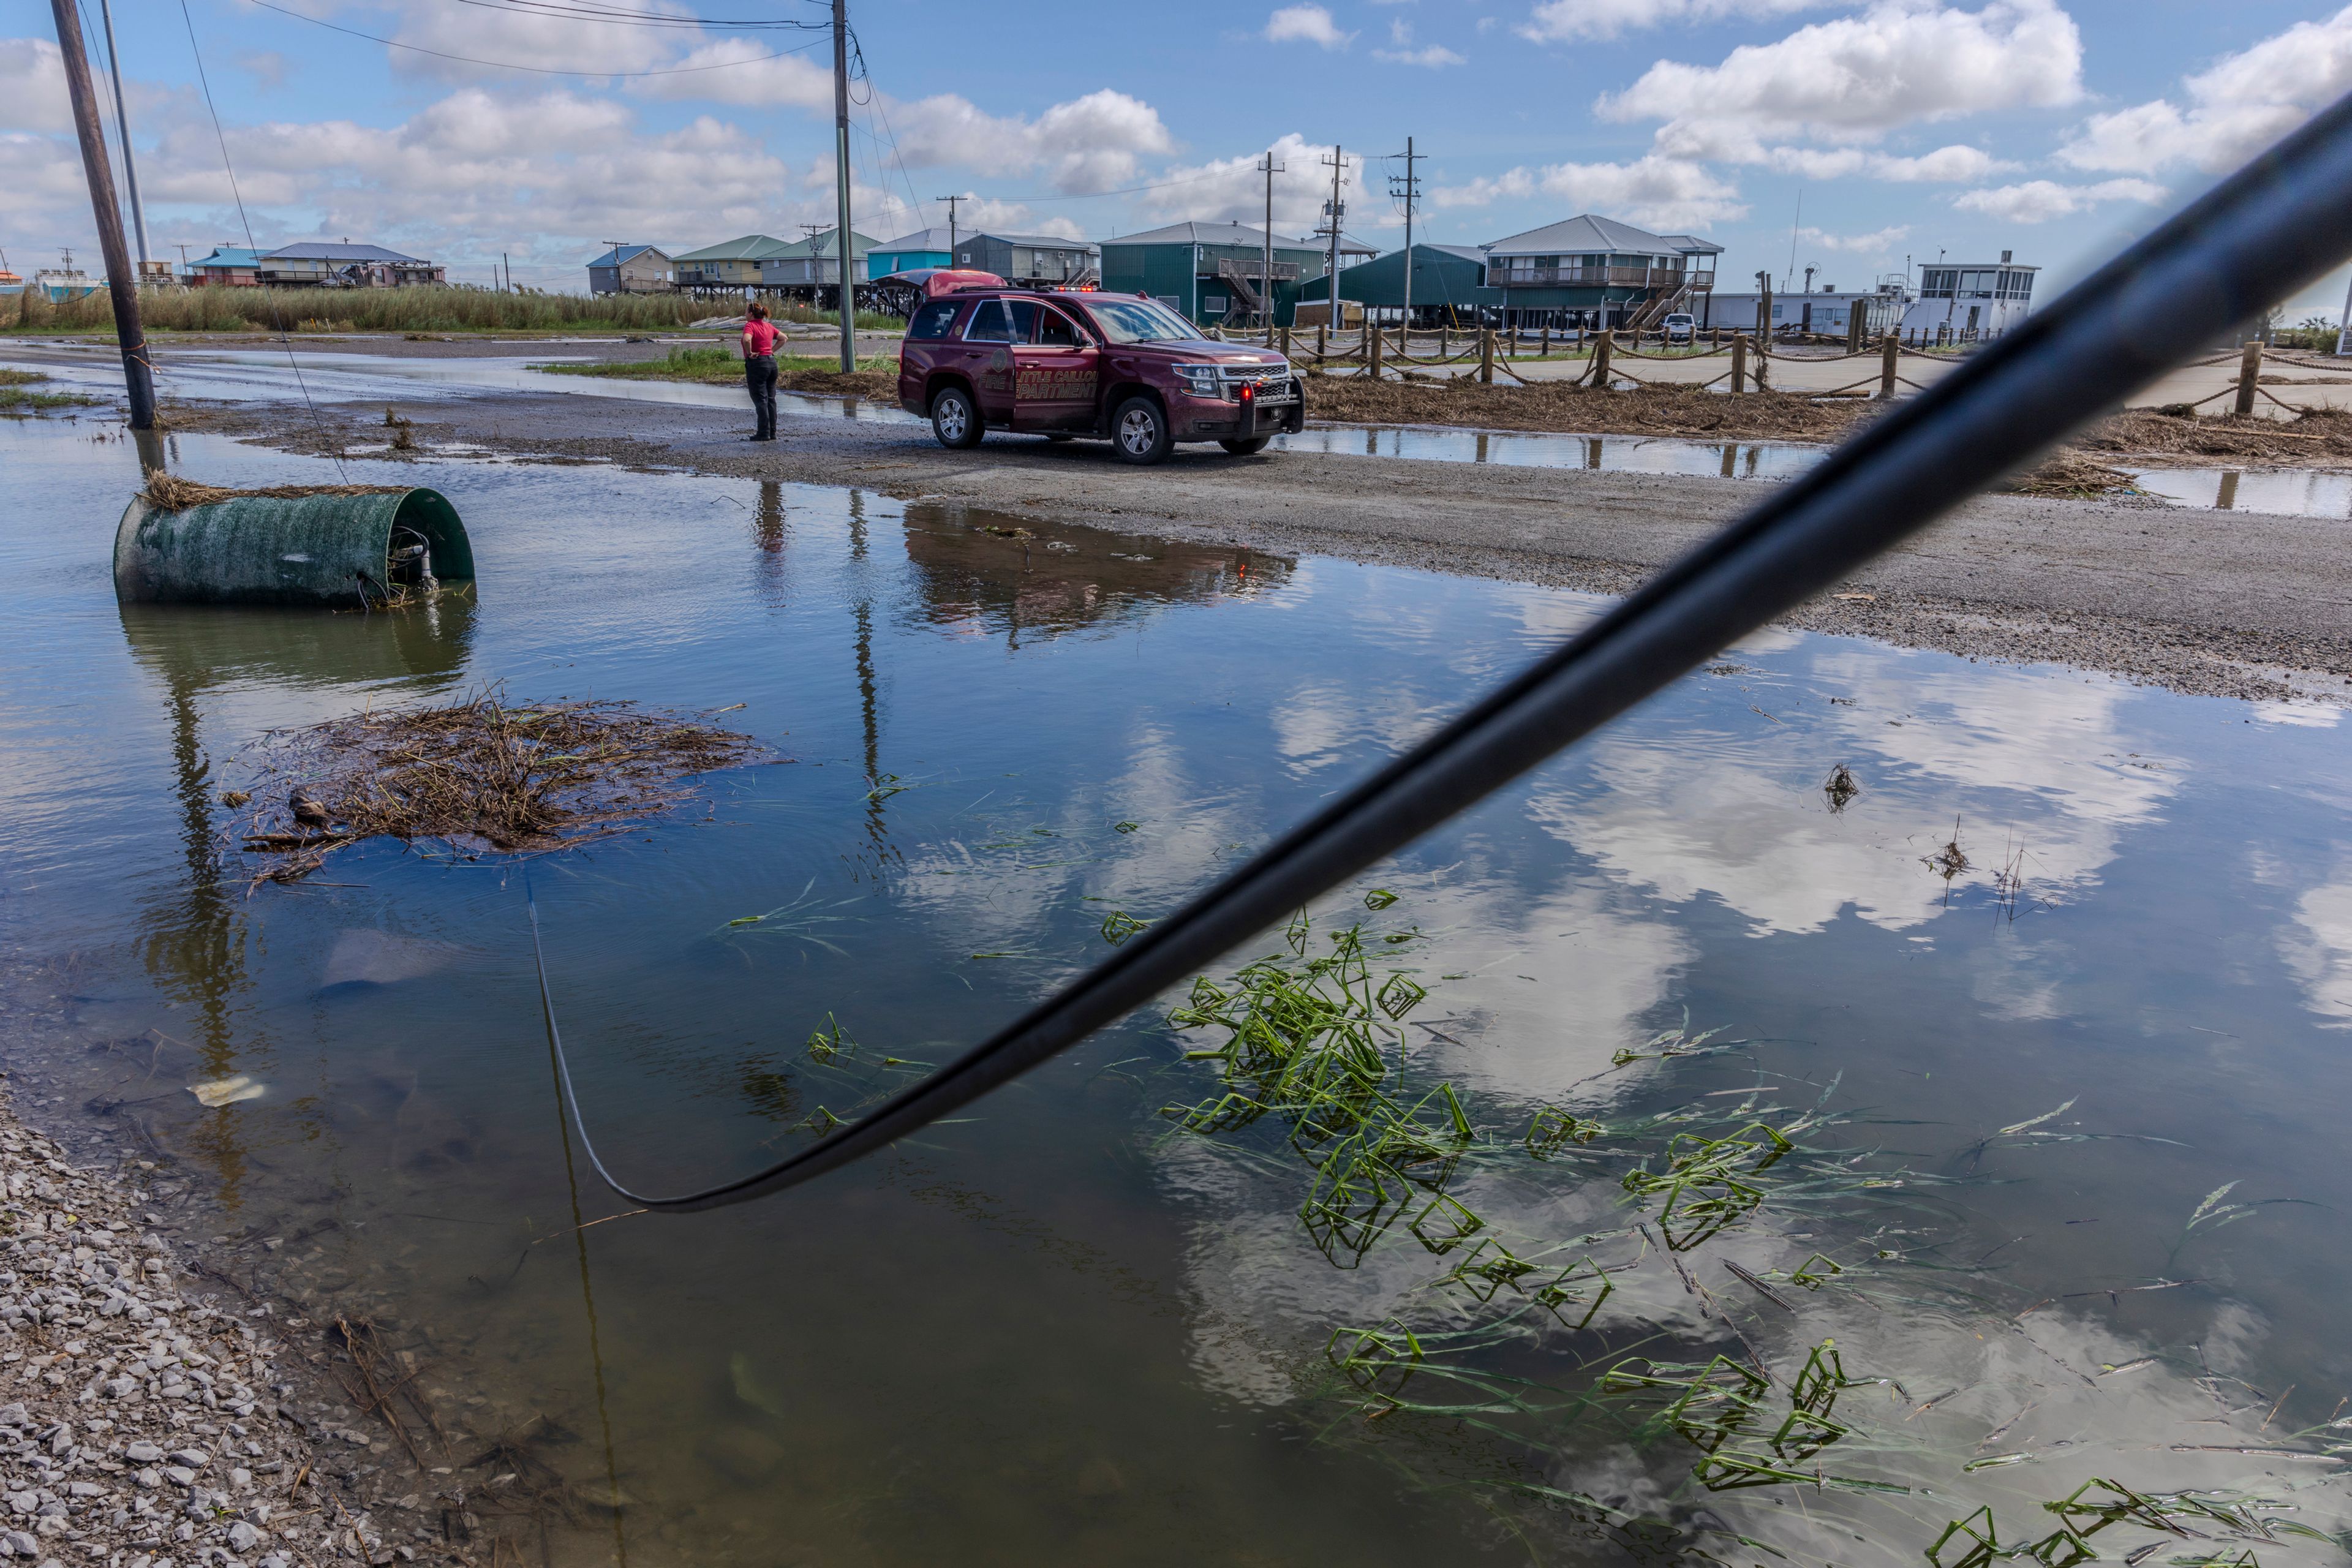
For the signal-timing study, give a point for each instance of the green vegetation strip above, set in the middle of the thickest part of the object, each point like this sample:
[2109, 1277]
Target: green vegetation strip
[412, 310]
[14, 399]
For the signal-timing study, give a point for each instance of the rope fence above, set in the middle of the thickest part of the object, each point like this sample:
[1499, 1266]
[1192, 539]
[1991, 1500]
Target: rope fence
[1383, 351]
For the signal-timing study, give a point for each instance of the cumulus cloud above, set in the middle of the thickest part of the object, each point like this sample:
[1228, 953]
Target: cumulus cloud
[1234, 188]
[1085, 145]
[1557, 21]
[1307, 25]
[1874, 243]
[1660, 192]
[32, 87]
[1404, 53]
[1855, 78]
[500, 33]
[2245, 102]
[1950, 166]
[2036, 201]
[736, 71]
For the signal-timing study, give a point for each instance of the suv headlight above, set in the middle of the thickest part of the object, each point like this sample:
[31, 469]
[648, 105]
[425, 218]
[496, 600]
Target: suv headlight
[1205, 380]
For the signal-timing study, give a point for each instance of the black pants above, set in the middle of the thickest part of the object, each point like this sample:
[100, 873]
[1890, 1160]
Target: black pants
[759, 371]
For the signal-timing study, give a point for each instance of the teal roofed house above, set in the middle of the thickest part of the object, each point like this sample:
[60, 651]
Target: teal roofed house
[733, 264]
[1592, 271]
[1214, 273]
[912, 252]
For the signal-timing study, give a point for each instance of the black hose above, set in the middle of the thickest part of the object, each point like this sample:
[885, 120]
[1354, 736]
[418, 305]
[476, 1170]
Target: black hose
[2256, 238]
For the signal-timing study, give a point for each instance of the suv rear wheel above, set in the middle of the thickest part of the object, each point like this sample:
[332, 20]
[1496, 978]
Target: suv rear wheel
[1139, 431]
[953, 418]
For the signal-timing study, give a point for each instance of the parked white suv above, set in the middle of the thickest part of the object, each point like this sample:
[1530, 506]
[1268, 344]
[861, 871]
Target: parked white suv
[1680, 327]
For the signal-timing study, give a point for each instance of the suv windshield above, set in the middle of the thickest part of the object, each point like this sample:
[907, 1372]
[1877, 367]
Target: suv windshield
[1139, 321]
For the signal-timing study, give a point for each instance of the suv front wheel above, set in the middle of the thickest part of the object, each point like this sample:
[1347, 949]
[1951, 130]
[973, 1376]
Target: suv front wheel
[1139, 431]
[953, 418]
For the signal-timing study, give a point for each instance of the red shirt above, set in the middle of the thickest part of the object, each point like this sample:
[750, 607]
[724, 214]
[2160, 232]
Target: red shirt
[760, 338]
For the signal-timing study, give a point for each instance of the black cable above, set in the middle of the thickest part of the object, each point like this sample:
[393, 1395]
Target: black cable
[535, 70]
[2277, 224]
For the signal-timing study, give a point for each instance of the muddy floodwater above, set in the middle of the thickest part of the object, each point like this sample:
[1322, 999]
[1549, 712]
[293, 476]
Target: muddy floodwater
[2043, 980]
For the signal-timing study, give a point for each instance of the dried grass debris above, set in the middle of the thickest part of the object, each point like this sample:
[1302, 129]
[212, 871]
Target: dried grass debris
[169, 492]
[478, 776]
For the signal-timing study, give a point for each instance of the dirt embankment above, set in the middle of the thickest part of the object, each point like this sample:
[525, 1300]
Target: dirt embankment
[1564, 408]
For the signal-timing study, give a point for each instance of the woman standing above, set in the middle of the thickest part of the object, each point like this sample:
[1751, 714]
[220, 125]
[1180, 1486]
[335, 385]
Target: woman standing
[759, 368]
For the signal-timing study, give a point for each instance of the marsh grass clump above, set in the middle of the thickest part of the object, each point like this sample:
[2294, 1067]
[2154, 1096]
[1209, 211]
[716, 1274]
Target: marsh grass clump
[478, 776]
[15, 400]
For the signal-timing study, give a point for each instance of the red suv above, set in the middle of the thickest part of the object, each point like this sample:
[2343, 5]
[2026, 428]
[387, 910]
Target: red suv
[1065, 365]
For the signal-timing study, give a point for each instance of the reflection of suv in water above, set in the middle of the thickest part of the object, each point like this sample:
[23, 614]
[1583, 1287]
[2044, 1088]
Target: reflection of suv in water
[1065, 365]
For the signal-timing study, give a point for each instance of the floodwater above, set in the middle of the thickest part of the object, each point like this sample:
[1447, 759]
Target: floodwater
[240, 376]
[2068, 1193]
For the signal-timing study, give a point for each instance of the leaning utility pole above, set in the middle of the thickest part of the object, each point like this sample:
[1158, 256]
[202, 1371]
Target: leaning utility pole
[1338, 209]
[1410, 189]
[840, 179]
[952, 225]
[122, 123]
[2344, 328]
[1269, 168]
[138, 376]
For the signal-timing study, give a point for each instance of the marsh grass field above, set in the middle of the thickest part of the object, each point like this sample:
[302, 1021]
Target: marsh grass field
[309, 312]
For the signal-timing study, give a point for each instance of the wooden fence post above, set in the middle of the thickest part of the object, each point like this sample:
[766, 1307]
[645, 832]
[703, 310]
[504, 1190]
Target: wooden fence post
[1285, 333]
[1546, 351]
[1372, 336]
[1445, 339]
[1888, 347]
[1601, 347]
[1486, 355]
[2249, 372]
[1322, 340]
[1738, 364]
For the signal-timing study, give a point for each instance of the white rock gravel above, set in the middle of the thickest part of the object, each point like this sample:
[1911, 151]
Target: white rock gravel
[144, 1428]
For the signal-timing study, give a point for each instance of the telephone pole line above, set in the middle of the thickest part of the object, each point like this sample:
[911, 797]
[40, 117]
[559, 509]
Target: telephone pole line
[1409, 187]
[952, 225]
[122, 123]
[122, 284]
[840, 179]
[1269, 168]
[1337, 211]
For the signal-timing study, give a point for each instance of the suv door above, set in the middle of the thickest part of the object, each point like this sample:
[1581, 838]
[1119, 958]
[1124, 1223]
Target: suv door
[997, 329]
[1055, 378]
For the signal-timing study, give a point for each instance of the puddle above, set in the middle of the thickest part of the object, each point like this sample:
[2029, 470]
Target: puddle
[1061, 1330]
[1626, 454]
[2292, 492]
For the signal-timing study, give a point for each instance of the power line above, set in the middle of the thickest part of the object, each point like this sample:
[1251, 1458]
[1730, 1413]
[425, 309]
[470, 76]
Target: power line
[586, 10]
[509, 65]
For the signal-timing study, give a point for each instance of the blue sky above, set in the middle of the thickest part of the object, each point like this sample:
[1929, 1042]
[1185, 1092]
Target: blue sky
[1905, 128]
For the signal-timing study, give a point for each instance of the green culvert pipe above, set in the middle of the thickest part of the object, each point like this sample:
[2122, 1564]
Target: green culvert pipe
[344, 551]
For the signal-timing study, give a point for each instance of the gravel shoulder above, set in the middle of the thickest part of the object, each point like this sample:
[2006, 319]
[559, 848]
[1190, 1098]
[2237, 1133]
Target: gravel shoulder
[142, 1426]
[2241, 605]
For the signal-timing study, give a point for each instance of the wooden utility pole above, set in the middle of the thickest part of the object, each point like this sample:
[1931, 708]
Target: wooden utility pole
[1338, 210]
[840, 179]
[1269, 168]
[122, 123]
[1410, 189]
[951, 202]
[121, 283]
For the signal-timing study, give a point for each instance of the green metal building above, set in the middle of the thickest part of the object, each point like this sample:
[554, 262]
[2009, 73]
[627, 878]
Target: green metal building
[1212, 272]
[1449, 286]
[732, 264]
